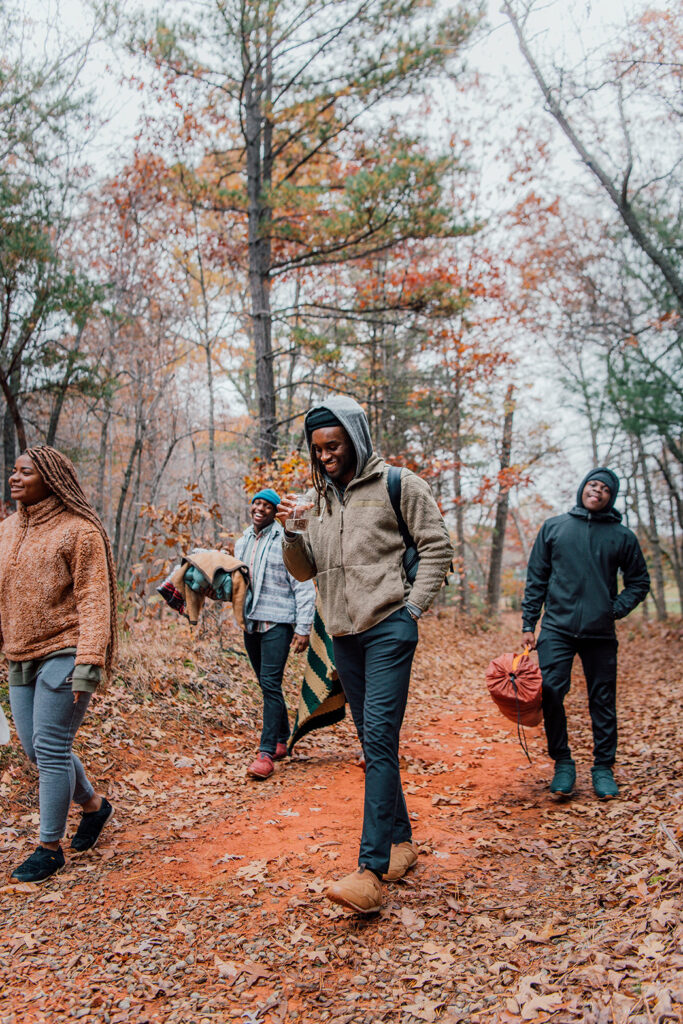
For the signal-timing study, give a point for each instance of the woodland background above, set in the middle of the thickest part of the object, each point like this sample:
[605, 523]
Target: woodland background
[214, 214]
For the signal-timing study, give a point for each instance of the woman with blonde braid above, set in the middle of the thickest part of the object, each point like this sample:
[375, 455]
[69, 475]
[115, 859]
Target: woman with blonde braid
[58, 631]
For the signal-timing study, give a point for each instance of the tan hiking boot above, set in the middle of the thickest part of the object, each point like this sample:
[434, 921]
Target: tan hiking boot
[403, 858]
[360, 891]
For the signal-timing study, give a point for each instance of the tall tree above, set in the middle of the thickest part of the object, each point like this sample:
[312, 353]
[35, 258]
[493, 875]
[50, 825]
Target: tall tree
[502, 504]
[303, 83]
[39, 288]
[43, 127]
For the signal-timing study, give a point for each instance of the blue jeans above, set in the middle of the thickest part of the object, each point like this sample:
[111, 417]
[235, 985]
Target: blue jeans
[374, 669]
[268, 653]
[46, 720]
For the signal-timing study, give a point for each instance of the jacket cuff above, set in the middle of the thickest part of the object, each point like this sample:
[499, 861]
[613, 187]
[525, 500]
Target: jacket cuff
[85, 678]
[413, 609]
[291, 539]
[303, 630]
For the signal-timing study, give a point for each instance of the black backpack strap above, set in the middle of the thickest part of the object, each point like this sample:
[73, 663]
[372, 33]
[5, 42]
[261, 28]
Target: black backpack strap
[394, 489]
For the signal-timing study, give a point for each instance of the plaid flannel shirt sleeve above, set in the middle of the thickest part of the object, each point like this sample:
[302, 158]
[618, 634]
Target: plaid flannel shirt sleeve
[304, 598]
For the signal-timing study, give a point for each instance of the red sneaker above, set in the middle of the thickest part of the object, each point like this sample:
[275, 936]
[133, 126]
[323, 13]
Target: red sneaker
[262, 767]
[280, 752]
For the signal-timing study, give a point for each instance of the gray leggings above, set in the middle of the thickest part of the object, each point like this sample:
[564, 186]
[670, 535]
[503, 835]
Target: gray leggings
[46, 720]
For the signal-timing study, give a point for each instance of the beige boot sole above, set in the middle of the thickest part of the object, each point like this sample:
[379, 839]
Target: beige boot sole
[350, 905]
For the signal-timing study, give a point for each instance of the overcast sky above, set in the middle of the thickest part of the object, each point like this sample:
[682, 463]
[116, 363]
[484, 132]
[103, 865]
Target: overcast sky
[569, 30]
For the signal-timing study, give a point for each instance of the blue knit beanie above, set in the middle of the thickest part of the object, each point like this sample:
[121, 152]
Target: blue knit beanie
[268, 494]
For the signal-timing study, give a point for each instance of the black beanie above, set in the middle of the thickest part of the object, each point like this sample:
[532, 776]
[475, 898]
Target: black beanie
[320, 417]
[607, 478]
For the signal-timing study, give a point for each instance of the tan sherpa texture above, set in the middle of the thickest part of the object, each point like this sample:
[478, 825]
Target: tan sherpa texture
[54, 585]
[209, 561]
[355, 550]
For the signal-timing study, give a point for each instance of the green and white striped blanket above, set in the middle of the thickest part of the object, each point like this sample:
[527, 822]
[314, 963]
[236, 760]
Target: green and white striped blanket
[322, 700]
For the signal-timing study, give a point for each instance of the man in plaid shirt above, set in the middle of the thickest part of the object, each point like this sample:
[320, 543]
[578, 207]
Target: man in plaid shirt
[279, 620]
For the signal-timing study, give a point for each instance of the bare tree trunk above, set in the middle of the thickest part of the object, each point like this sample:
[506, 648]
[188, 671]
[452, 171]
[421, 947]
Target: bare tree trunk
[675, 517]
[9, 448]
[293, 355]
[676, 560]
[459, 562]
[475, 561]
[498, 540]
[523, 542]
[258, 144]
[132, 513]
[11, 431]
[156, 482]
[125, 487]
[653, 535]
[213, 481]
[63, 388]
[208, 338]
[102, 463]
[668, 475]
[10, 388]
[593, 423]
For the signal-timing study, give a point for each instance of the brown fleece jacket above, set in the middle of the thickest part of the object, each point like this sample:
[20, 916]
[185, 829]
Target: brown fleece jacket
[54, 590]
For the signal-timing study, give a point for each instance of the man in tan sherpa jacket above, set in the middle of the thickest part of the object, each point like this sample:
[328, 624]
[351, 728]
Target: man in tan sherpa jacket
[354, 548]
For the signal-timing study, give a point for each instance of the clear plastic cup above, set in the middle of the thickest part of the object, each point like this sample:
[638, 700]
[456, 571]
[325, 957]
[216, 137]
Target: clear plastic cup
[298, 520]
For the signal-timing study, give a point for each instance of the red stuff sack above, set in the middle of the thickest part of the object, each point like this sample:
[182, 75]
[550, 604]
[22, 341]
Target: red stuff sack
[515, 682]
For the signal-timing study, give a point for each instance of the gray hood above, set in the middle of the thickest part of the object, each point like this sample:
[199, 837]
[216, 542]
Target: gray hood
[352, 417]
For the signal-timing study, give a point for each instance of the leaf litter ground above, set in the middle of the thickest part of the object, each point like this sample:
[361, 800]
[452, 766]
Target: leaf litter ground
[204, 901]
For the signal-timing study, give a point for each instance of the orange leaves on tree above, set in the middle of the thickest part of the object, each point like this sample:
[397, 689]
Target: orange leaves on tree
[293, 473]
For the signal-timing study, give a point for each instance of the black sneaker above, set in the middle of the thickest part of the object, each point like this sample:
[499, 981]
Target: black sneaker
[90, 828]
[604, 784]
[40, 865]
[563, 779]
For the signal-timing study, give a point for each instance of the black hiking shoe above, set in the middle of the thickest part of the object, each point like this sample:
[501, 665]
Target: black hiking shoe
[603, 782]
[39, 866]
[563, 779]
[90, 828]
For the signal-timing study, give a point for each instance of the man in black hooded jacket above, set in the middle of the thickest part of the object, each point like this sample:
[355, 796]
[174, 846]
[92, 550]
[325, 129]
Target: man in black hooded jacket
[573, 572]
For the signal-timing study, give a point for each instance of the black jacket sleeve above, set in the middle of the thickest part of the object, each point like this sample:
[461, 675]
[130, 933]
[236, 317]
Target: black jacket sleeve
[636, 579]
[537, 576]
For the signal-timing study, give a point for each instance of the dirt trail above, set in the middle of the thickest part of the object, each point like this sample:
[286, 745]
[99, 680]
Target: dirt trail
[205, 901]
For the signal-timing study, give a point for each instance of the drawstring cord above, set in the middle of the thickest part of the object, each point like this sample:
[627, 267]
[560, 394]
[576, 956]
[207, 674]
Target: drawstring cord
[521, 735]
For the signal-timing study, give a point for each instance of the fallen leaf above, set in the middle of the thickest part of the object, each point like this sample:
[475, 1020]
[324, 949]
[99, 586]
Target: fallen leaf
[541, 1004]
[423, 1009]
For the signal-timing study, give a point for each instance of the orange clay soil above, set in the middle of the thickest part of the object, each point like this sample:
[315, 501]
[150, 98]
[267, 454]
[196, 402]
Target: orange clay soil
[204, 901]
